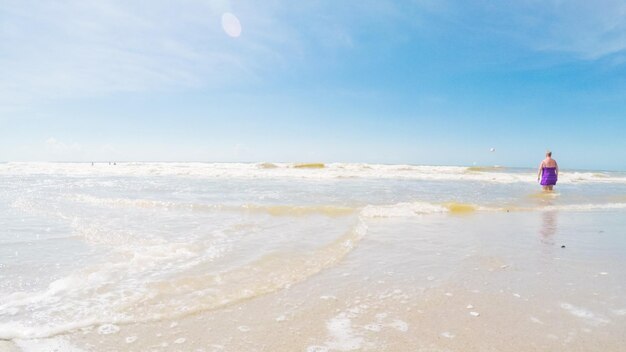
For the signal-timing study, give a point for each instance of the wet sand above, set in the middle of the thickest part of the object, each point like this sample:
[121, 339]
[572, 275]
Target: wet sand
[439, 282]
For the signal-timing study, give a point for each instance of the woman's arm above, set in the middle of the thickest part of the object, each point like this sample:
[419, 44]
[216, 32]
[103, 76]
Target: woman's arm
[540, 170]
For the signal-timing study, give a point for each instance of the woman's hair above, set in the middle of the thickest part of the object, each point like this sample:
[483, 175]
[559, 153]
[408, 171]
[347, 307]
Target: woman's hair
[548, 153]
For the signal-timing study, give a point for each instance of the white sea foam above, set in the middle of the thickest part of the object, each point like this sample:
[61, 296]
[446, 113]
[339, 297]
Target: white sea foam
[343, 338]
[399, 325]
[316, 171]
[102, 294]
[402, 210]
[168, 247]
[411, 209]
[397, 210]
[585, 314]
[54, 344]
[108, 329]
[586, 207]
[619, 312]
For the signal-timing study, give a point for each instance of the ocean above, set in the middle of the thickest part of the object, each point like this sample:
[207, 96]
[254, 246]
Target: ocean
[309, 257]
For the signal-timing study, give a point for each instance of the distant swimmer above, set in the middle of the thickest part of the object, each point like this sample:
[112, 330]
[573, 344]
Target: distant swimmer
[548, 172]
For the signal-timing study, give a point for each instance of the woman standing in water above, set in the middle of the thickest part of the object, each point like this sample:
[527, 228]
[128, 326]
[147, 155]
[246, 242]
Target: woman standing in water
[548, 172]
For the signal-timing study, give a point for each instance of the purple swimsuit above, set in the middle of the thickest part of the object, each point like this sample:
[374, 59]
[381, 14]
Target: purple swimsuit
[548, 176]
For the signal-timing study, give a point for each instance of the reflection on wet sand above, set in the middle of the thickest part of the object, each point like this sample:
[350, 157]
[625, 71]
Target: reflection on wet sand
[548, 217]
[548, 226]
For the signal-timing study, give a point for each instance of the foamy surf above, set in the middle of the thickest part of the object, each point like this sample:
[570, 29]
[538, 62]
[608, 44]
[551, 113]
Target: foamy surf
[412, 209]
[318, 171]
[275, 210]
[110, 294]
[402, 209]
[107, 246]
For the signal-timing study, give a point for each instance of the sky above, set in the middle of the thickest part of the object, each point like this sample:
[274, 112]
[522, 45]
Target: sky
[437, 82]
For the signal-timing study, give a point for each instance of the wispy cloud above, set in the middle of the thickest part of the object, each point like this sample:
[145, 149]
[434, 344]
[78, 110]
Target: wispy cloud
[54, 145]
[83, 48]
[73, 49]
[55, 149]
[588, 30]
[352, 72]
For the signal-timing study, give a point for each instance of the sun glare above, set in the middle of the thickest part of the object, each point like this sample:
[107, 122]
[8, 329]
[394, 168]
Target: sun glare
[231, 25]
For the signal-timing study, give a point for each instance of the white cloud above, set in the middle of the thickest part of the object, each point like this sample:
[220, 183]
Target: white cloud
[58, 150]
[70, 49]
[590, 29]
[83, 48]
[52, 144]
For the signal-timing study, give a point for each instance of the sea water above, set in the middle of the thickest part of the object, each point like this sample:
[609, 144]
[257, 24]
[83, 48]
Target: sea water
[98, 248]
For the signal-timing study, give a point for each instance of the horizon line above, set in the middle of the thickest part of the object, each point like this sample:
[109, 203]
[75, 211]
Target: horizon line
[298, 162]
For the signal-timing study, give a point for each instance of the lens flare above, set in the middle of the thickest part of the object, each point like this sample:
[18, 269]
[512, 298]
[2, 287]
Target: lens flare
[231, 25]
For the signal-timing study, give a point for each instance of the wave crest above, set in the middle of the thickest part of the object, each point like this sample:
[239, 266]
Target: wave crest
[99, 295]
[294, 171]
[309, 166]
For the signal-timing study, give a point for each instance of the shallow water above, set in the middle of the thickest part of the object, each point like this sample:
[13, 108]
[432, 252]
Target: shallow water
[347, 256]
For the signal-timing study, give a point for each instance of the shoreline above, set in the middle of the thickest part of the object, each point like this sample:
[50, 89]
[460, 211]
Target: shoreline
[355, 305]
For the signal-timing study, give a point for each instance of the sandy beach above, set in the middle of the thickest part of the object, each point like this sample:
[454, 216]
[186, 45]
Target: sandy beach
[313, 176]
[308, 259]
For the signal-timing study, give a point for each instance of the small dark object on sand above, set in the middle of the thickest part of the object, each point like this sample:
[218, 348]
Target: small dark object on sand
[563, 246]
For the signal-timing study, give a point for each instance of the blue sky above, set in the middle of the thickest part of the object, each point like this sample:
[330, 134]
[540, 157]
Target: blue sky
[422, 82]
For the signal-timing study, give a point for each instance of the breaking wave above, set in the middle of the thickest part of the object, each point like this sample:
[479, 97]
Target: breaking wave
[402, 209]
[118, 293]
[274, 210]
[314, 171]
